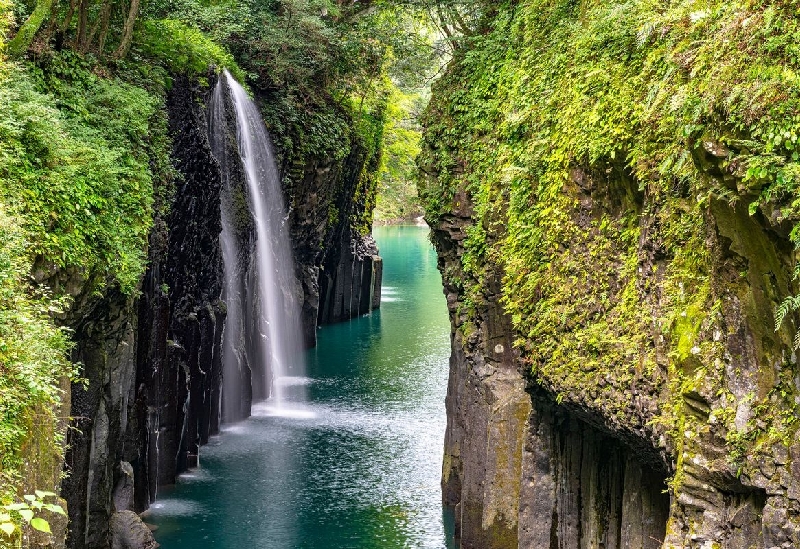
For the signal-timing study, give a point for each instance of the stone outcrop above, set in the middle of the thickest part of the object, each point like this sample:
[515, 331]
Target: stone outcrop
[519, 469]
[103, 412]
[152, 368]
[351, 285]
[524, 468]
[642, 264]
[534, 463]
[181, 315]
[129, 532]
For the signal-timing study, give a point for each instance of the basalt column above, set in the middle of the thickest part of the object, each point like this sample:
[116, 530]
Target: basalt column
[152, 368]
[521, 471]
[181, 315]
[330, 209]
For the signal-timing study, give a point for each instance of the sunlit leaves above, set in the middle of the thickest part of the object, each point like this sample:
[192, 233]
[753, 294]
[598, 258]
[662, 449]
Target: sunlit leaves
[80, 176]
[28, 511]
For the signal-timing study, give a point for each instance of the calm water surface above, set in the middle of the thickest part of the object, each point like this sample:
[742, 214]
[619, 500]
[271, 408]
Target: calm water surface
[360, 468]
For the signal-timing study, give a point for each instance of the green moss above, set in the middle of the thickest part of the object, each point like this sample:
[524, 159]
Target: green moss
[75, 165]
[32, 363]
[597, 141]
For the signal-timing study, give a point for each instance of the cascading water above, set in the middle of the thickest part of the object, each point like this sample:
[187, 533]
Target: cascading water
[262, 348]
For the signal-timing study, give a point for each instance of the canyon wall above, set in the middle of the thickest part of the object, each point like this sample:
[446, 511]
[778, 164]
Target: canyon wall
[533, 463]
[330, 205]
[152, 363]
[613, 276]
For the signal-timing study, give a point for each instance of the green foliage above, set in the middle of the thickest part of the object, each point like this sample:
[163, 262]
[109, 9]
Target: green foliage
[79, 154]
[33, 357]
[6, 20]
[26, 511]
[574, 126]
[79, 174]
[787, 306]
[183, 49]
[397, 198]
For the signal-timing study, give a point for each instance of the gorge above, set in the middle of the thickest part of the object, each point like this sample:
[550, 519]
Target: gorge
[361, 467]
[612, 194]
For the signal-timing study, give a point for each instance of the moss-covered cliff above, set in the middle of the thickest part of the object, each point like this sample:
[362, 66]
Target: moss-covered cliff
[612, 189]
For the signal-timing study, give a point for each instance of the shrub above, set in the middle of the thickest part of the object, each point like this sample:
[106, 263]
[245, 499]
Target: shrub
[184, 49]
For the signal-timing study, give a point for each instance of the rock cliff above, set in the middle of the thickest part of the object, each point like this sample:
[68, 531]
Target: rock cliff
[152, 364]
[330, 213]
[612, 273]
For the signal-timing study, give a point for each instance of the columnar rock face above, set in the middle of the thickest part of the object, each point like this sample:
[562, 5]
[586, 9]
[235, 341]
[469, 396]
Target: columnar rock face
[524, 467]
[152, 368]
[585, 488]
[352, 285]
[181, 315]
[104, 415]
[153, 364]
[338, 266]
[519, 469]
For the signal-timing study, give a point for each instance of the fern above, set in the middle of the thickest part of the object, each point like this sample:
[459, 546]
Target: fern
[788, 305]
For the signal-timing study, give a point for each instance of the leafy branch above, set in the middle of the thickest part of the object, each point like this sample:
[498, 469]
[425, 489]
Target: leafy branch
[27, 511]
[787, 306]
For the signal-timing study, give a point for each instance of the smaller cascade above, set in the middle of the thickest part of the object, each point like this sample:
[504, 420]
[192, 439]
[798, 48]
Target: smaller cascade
[262, 346]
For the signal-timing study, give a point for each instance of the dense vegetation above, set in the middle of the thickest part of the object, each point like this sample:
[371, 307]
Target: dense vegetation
[397, 198]
[659, 110]
[676, 105]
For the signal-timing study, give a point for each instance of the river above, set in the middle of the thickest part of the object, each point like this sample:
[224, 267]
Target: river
[360, 468]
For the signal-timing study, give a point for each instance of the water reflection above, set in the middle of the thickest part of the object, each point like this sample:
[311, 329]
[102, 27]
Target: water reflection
[358, 466]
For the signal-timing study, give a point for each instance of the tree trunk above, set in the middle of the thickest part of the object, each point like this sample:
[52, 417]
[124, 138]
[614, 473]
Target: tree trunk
[101, 20]
[101, 44]
[73, 4]
[52, 24]
[127, 31]
[22, 41]
[83, 22]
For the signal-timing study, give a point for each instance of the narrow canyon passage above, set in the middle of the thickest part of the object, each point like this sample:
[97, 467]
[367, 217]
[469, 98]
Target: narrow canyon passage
[361, 468]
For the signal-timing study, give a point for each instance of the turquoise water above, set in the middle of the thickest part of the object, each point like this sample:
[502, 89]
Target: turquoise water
[359, 469]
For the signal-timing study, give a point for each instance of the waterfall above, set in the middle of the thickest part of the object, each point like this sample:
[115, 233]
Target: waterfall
[262, 347]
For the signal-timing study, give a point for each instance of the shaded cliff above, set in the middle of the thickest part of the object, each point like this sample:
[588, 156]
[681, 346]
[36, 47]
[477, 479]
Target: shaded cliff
[151, 365]
[331, 197]
[96, 155]
[612, 207]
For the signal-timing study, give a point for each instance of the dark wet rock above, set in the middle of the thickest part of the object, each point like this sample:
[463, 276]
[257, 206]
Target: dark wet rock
[142, 361]
[338, 267]
[153, 363]
[536, 461]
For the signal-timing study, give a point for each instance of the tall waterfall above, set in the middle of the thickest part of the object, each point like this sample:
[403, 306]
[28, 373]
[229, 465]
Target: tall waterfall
[262, 348]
